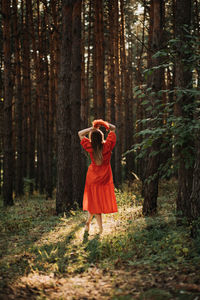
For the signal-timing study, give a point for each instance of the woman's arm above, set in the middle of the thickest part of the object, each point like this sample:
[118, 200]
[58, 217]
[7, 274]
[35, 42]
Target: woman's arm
[112, 127]
[83, 132]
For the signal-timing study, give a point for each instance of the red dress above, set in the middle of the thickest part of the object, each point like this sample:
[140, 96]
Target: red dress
[99, 195]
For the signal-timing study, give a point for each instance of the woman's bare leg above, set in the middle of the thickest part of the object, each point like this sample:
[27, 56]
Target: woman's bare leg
[89, 219]
[99, 222]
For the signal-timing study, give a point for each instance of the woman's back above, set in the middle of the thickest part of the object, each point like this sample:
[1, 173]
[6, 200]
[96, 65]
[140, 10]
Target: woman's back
[107, 148]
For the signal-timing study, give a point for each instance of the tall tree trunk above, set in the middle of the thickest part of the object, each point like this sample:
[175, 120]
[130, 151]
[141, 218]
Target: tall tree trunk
[64, 199]
[84, 81]
[111, 76]
[118, 98]
[140, 163]
[7, 143]
[55, 5]
[87, 83]
[52, 103]
[26, 84]
[194, 215]
[18, 107]
[48, 152]
[30, 114]
[75, 97]
[99, 59]
[84, 100]
[43, 98]
[183, 79]
[34, 128]
[128, 105]
[155, 82]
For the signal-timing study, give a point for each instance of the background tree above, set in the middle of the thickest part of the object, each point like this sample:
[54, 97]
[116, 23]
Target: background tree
[18, 106]
[75, 100]
[64, 198]
[7, 116]
[98, 60]
[155, 84]
[183, 111]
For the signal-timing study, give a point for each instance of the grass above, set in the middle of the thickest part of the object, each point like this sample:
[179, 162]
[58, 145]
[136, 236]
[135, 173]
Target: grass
[152, 254]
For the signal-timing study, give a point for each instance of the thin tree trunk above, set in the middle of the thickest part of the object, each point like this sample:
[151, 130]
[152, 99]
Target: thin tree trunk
[118, 98]
[64, 199]
[128, 105]
[84, 100]
[48, 133]
[111, 76]
[30, 111]
[52, 104]
[99, 60]
[54, 4]
[7, 143]
[18, 107]
[75, 97]
[183, 79]
[35, 135]
[84, 83]
[87, 84]
[25, 43]
[155, 82]
[43, 100]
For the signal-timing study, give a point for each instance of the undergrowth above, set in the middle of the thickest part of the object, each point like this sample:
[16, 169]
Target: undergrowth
[34, 239]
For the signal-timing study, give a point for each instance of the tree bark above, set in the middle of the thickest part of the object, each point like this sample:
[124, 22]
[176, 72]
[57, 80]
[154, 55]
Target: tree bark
[26, 86]
[111, 76]
[18, 108]
[7, 142]
[128, 101]
[64, 199]
[155, 82]
[99, 59]
[183, 79]
[118, 98]
[30, 111]
[87, 83]
[75, 99]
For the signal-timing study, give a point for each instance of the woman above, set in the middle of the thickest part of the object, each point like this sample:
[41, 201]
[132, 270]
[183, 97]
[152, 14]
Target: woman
[99, 195]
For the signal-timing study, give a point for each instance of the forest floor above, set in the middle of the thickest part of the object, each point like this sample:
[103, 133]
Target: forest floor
[44, 256]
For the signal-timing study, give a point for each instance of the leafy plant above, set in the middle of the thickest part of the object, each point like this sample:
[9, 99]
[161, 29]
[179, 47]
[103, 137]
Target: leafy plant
[174, 132]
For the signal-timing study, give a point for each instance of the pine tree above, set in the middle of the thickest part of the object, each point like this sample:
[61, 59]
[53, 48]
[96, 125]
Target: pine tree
[8, 91]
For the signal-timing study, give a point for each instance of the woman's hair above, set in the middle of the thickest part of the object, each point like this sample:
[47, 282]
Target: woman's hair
[97, 146]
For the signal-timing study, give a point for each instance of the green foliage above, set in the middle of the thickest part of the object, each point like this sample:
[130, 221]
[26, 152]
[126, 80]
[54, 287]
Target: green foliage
[175, 132]
[154, 244]
[161, 122]
[126, 197]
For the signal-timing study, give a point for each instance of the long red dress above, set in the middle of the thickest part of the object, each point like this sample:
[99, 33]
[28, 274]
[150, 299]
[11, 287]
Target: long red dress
[99, 195]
